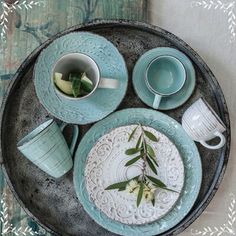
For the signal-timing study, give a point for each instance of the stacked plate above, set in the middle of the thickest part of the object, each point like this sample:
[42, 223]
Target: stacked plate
[100, 161]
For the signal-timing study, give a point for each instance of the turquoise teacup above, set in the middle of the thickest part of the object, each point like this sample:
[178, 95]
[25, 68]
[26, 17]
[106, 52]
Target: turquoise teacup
[165, 76]
[46, 148]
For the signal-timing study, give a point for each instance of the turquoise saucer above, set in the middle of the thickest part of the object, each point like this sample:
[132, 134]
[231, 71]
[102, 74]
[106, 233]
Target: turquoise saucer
[103, 101]
[186, 147]
[144, 93]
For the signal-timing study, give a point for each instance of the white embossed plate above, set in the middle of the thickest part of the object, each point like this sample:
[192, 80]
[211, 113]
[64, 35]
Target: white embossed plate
[186, 147]
[106, 165]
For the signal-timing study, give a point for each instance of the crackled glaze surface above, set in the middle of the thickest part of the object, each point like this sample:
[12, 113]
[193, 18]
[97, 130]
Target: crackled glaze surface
[185, 146]
[106, 166]
[99, 104]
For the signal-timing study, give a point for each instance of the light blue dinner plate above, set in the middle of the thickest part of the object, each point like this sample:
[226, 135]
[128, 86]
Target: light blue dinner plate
[144, 93]
[103, 101]
[186, 147]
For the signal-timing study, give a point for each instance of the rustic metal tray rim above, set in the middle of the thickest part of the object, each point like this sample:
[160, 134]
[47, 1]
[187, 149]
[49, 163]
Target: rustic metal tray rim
[169, 36]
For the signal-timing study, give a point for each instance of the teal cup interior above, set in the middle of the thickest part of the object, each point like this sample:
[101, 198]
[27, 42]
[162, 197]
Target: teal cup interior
[46, 147]
[165, 75]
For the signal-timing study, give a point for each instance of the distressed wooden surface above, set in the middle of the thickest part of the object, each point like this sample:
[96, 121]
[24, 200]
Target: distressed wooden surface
[27, 29]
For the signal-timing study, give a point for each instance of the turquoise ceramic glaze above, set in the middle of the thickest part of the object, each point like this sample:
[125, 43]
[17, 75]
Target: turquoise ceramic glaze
[46, 147]
[103, 101]
[146, 95]
[186, 147]
[165, 75]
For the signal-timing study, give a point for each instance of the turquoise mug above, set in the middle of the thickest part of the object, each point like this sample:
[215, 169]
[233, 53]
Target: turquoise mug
[47, 148]
[165, 76]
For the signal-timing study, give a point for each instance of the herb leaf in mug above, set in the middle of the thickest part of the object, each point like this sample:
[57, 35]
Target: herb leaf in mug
[76, 84]
[74, 76]
[87, 84]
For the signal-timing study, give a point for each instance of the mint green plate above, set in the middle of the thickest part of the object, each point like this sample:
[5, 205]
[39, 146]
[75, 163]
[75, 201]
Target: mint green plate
[186, 147]
[170, 102]
[103, 101]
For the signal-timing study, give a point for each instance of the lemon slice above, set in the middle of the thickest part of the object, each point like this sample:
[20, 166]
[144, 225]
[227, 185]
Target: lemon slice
[87, 84]
[63, 85]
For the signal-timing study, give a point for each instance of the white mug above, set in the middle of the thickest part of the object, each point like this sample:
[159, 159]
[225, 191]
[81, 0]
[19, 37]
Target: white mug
[72, 62]
[202, 124]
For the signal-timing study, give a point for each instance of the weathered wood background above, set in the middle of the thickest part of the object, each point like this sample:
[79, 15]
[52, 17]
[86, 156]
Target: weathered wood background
[28, 27]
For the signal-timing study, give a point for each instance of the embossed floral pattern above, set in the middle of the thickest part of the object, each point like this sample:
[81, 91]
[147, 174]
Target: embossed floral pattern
[185, 146]
[106, 167]
[103, 101]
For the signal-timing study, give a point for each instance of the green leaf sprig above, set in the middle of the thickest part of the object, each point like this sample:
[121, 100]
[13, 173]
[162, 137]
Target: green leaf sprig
[143, 185]
[144, 150]
[81, 85]
[76, 85]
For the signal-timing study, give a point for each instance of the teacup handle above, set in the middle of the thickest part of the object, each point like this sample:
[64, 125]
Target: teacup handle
[157, 101]
[108, 83]
[221, 144]
[74, 138]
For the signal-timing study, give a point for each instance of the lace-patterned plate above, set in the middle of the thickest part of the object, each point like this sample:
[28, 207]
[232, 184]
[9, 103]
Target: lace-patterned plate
[106, 166]
[103, 101]
[186, 147]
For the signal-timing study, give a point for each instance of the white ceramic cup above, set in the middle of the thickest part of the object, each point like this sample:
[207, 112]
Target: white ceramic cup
[73, 62]
[202, 124]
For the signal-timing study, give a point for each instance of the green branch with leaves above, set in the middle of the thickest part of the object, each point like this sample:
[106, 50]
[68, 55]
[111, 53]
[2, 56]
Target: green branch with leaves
[143, 185]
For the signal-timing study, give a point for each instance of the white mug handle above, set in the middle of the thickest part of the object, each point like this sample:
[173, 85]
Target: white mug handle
[221, 144]
[108, 83]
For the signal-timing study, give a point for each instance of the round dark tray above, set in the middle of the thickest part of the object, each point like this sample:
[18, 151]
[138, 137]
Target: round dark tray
[53, 203]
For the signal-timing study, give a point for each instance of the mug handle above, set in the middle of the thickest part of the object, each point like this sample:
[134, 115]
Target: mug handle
[221, 144]
[108, 83]
[75, 136]
[157, 101]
